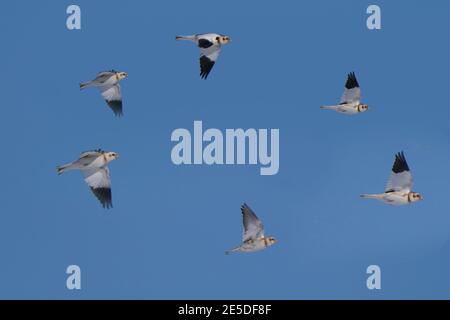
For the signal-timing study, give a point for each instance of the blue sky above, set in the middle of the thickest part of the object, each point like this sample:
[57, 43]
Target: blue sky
[166, 236]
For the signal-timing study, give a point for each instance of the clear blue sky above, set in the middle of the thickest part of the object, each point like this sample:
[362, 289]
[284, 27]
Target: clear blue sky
[166, 236]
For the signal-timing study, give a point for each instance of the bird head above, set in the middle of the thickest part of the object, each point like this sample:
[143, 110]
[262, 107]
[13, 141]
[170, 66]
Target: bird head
[223, 39]
[122, 75]
[363, 107]
[415, 196]
[110, 156]
[271, 240]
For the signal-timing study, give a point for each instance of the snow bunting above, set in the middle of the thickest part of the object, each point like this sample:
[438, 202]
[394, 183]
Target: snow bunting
[210, 45]
[350, 102]
[108, 84]
[253, 237]
[93, 165]
[398, 190]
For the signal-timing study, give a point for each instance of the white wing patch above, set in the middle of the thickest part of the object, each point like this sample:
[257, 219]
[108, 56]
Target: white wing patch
[402, 182]
[212, 53]
[113, 96]
[100, 183]
[351, 96]
[352, 92]
[253, 227]
[208, 58]
[401, 178]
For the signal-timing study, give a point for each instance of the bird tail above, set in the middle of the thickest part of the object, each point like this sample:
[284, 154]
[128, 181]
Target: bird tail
[64, 168]
[228, 252]
[371, 196]
[85, 85]
[189, 38]
[328, 107]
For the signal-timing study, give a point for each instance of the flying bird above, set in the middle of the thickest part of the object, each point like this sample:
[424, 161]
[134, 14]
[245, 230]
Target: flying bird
[108, 84]
[94, 166]
[210, 45]
[253, 238]
[350, 102]
[398, 190]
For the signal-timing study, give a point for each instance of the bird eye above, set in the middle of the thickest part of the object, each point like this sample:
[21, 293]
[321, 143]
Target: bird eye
[217, 38]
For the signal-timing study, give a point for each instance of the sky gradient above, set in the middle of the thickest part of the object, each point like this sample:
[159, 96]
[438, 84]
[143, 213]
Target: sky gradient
[166, 235]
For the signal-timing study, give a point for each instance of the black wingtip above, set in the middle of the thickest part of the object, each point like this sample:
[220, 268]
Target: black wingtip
[352, 82]
[244, 207]
[116, 107]
[206, 66]
[104, 195]
[400, 164]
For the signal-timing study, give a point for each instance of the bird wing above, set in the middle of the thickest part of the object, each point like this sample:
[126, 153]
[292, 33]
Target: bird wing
[103, 76]
[113, 97]
[253, 227]
[100, 182]
[208, 57]
[401, 178]
[86, 158]
[352, 92]
[91, 153]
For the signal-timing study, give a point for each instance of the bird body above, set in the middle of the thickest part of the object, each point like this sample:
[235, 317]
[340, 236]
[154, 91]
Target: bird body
[253, 238]
[345, 108]
[394, 198]
[108, 84]
[252, 246]
[93, 165]
[398, 189]
[202, 39]
[350, 101]
[87, 160]
[105, 79]
[210, 45]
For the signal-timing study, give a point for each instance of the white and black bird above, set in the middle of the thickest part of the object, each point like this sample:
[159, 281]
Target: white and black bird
[351, 99]
[108, 84]
[94, 166]
[210, 45]
[253, 238]
[398, 190]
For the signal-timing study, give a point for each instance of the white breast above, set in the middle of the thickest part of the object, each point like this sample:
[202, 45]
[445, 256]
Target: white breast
[396, 198]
